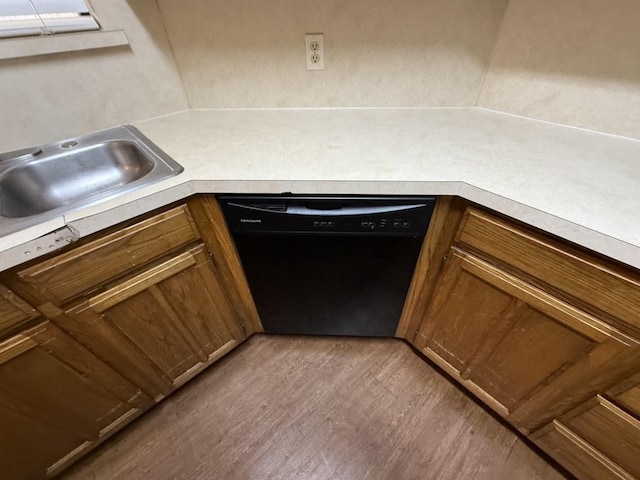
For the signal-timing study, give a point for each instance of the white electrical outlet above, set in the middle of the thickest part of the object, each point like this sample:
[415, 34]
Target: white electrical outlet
[314, 44]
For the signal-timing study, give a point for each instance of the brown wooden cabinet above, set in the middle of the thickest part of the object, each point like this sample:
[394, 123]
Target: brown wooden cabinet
[158, 299]
[161, 326]
[543, 332]
[527, 354]
[607, 289]
[57, 401]
[81, 269]
[131, 314]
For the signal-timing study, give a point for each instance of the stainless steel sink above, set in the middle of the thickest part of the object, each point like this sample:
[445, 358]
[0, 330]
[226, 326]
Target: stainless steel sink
[57, 178]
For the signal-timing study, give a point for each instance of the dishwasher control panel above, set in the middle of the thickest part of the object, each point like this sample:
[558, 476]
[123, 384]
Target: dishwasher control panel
[385, 224]
[395, 216]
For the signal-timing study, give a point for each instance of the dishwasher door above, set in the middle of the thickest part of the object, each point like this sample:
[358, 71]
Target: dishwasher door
[329, 268]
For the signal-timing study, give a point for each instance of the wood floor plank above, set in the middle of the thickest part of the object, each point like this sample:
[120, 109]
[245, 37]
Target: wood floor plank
[316, 408]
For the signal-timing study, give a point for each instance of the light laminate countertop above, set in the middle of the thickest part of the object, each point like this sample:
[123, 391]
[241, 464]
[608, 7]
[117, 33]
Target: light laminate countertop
[580, 185]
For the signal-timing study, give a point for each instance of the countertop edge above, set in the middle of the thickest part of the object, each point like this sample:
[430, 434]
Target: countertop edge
[580, 235]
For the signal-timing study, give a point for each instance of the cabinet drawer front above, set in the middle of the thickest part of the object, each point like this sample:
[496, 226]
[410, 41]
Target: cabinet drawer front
[578, 456]
[614, 433]
[82, 269]
[575, 273]
[13, 310]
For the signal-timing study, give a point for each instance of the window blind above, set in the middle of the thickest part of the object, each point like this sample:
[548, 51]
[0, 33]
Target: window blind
[42, 17]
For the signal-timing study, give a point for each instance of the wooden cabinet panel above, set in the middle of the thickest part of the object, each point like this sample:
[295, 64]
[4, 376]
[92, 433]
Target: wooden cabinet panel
[524, 352]
[13, 310]
[612, 290]
[577, 456]
[631, 399]
[611, 431]
[216, 236]
[31, 448]
[84, 268]
[161, 326]
[57, 401]
[149, 322]
[199, 296]
[447, 215]
[533, 349]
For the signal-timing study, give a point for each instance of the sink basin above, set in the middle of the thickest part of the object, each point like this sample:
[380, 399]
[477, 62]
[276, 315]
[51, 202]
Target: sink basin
[78, 172]
[46, 183]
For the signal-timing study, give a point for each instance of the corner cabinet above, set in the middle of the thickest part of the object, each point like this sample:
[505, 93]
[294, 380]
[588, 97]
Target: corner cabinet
[526, 353]
[127, 316]
[541, 331]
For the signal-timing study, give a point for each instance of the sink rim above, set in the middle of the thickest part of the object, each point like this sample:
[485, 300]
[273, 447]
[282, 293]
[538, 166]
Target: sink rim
[51, 155]
[163, 168]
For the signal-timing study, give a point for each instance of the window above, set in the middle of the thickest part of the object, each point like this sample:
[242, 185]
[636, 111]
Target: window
[43, 17]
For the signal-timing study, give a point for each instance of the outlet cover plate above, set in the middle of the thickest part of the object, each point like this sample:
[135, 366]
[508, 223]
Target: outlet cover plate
[314, 50]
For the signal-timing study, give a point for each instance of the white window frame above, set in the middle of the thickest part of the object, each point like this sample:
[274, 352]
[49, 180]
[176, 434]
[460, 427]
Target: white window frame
[23, 18]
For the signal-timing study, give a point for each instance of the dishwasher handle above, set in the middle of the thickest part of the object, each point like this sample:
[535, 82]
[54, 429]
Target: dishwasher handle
[342, 211]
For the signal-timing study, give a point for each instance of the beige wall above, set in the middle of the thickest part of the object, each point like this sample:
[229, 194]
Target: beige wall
[250, 53]
[570, 61]
[50, 97]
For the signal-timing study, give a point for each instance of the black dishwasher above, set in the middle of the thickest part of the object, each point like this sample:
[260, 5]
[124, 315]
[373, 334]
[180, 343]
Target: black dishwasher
[328, 265]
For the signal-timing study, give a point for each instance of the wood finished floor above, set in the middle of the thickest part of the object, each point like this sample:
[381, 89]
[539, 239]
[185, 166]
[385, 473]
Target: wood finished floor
[316, 408]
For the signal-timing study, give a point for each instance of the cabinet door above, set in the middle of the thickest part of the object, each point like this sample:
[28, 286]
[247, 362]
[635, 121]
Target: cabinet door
[57, 401]
[527, 354]
[160, 327]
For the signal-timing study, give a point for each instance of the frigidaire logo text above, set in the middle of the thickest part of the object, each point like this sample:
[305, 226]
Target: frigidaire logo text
[250, 220]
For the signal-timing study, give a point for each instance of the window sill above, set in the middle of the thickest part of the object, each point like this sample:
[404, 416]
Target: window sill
[60, 42]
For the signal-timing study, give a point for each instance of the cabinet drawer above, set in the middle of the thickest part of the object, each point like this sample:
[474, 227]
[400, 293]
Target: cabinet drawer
[65, 276]
[13, 310]
[578, 456]
[576, 273]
